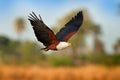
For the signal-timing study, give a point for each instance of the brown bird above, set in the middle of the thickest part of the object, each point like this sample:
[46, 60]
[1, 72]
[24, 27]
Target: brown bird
[47, 36]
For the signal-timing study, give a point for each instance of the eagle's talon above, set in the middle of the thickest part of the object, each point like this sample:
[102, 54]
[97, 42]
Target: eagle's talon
[45, 49]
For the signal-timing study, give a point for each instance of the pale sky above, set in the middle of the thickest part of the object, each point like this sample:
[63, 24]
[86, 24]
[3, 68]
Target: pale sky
[103, 12]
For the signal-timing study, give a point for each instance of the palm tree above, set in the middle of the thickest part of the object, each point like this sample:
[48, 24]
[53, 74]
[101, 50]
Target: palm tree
[117, 46]
[19, 26]
[98, 44]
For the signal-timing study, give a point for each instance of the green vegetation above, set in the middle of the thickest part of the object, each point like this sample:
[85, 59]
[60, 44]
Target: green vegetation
[28, 52]
[12, 51]
[102, 59]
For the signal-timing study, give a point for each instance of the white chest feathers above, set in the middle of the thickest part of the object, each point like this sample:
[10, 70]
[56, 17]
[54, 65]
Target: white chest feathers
[63, 45]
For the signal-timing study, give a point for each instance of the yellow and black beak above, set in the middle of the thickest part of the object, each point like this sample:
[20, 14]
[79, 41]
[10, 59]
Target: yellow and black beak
[69, 44]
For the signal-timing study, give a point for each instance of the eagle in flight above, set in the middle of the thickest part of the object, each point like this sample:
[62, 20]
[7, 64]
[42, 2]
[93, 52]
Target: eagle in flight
[47, 36]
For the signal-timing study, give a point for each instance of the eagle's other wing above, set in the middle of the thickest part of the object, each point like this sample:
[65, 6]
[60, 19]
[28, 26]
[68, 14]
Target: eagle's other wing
[70, 28]
[42, 32]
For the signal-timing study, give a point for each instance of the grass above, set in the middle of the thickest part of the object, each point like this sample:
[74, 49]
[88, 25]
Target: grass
[88, 72]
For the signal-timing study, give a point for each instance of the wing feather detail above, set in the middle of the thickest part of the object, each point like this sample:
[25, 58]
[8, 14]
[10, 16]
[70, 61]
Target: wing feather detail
[70, 28]
[42, 32]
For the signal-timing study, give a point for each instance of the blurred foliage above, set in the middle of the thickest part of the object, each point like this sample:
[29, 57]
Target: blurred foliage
[102, 59]
[28, 52]
[61, 61]
[12, 51]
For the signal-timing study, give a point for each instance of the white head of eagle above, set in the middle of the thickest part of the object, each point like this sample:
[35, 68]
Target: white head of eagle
[46, 36]
[62, 45]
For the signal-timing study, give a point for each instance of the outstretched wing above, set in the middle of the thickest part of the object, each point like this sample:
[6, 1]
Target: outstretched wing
[42, 32]
[70, 28]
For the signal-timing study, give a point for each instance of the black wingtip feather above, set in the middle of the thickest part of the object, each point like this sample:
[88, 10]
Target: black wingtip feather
[40, 17]
[35, 16]
[80, 15]
[80, 12]
[32, 17]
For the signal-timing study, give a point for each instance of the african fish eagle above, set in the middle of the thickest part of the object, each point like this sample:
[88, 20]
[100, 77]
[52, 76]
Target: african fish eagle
[47, 36]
